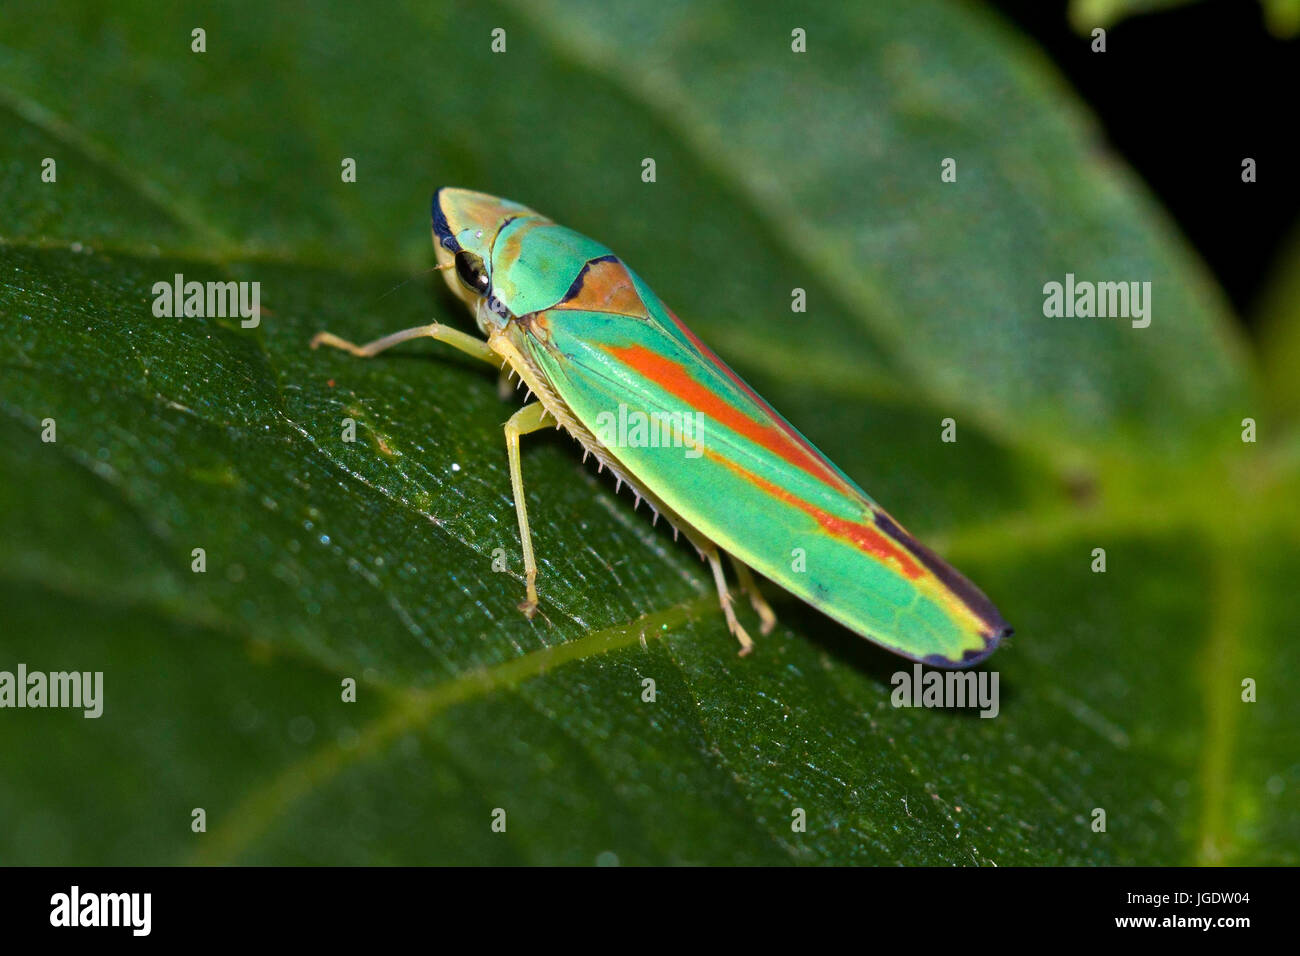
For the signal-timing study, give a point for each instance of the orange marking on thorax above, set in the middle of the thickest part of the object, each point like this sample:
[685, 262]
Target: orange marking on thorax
[606, 287]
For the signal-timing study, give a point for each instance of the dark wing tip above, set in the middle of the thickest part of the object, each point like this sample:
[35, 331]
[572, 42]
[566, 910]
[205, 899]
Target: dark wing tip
[969, 658]
[974, 655]
[995, 627]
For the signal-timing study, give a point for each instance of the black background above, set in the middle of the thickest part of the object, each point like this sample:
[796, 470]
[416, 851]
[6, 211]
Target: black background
[1184, 94]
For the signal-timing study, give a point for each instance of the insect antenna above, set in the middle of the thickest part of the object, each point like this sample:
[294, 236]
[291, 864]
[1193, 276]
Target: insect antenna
[418, 275]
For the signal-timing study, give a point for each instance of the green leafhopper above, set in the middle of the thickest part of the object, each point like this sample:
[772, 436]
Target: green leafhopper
[609, 363]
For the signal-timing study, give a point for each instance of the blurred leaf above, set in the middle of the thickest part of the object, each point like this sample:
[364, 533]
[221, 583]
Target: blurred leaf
[1279, 321]
[1282, 17]
[373, 560]
[1087, 15]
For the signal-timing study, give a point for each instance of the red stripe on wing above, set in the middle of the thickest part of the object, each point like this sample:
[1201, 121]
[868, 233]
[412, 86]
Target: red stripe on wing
[865, 537]
[777, 421]
[674, 378]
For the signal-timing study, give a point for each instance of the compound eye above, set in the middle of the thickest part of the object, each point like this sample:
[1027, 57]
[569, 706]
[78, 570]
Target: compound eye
[469, 268]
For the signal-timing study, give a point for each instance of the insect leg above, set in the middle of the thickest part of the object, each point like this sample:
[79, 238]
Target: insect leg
[766, 615]
[453, 337]
[530, 418]
[724, 598]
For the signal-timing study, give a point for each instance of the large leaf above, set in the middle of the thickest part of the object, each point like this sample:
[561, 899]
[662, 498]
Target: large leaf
[374, 559]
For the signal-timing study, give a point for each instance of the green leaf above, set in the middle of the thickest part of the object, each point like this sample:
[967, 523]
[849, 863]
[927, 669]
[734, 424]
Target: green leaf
[374, 560]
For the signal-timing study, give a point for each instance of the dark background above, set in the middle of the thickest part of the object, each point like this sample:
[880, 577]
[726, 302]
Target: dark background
[1184, 95]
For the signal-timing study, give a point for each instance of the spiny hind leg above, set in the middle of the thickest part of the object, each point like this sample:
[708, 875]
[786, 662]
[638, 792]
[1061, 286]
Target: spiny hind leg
[710, 552]
[453, 337]
[528, 419]
[766, 616]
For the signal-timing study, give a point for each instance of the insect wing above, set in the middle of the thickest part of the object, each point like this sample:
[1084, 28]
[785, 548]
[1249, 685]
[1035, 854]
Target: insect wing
[690, 431]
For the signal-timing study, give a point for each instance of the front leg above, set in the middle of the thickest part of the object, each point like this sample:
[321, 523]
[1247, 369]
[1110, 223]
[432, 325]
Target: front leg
[453, 337]
[528, 419]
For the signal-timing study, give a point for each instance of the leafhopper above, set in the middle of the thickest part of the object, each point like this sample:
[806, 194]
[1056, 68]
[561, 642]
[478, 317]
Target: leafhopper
[606, 361]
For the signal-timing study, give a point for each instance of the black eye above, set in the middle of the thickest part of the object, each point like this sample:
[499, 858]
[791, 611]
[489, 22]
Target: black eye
[470, 269]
